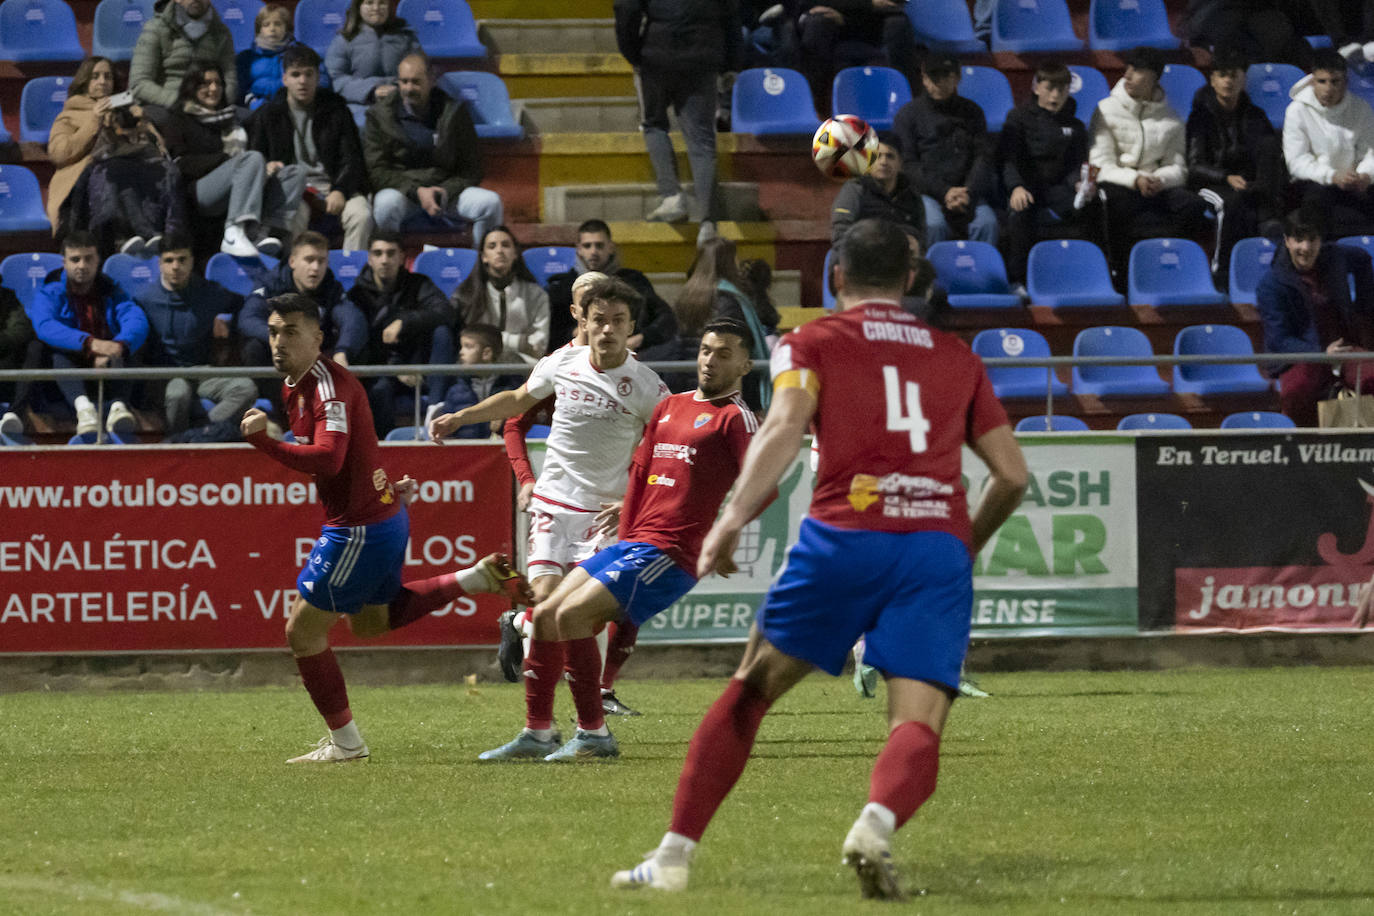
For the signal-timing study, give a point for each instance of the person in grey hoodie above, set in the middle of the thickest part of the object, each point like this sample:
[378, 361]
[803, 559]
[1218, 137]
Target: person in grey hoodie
[363, 58]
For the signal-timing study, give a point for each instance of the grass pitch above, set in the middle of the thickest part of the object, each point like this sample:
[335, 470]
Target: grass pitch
[1189, 791]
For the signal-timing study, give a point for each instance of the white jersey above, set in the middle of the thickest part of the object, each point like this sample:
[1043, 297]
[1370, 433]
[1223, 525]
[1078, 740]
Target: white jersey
[598, 418]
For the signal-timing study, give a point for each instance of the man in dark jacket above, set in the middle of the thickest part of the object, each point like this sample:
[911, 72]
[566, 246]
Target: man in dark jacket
[1235, 159]
[851, 33]
[421, 150]
[1306, 306]
[654, 320]
[304, 124]
[1260, 29]
[947, 155]
[884, 192]
[19, 349]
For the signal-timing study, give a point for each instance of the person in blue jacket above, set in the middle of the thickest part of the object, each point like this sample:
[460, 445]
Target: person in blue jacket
[260, 65]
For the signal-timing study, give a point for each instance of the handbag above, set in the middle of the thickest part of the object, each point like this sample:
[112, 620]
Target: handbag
[1346, 409]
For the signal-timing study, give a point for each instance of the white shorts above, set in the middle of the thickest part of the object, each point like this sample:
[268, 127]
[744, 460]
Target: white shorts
[560, 538]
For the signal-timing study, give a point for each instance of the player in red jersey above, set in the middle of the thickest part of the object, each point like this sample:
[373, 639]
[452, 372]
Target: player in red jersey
[355, 568]
[886, 550]
[685, 464]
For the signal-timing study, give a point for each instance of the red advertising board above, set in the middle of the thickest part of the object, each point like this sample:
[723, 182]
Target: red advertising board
[159, 548]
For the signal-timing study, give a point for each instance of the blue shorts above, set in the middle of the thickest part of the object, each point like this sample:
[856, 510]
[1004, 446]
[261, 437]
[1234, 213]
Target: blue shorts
[643, 579]
[910, 595]
[354, 566]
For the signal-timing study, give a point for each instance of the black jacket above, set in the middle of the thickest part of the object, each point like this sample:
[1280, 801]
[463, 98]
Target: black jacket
[272, 132]
[392, 163]
[196, 148]
[1222, 143]
[1040, 149]
[863, 198]
[414, 299]
[945, 145]
[684, 36]
[655, 319]
[1285, 306]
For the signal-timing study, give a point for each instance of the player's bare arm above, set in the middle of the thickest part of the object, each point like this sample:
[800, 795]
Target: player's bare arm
[499, 406]
[1007, 480]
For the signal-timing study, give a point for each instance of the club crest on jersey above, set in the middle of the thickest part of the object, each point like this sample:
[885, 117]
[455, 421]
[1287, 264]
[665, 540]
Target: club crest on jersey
[624, 387]
[701, 420]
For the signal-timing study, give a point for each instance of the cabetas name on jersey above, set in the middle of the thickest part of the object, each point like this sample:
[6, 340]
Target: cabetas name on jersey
[889, 331]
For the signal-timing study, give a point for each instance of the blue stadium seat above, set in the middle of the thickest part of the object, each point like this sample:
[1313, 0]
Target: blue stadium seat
[1361, 83]
[24, 273]
[116, 27]
[1268, 85]
[1153, 421]
[873, 93]
[1171, 272]
[1023, 26]
[317, 21]
[38, 30]
[973, 274]
[1055, 424]
[1119, 25]
[1180, 83]
[1228, 378]
[772, 100]
[446, 266]
[488, 103]
[1069, 272]
[538, 431]
[944, 25]
[131, 273]
[445, 27]
[238, 275]
[21, 203]
[1018, 382]
[1087, 86]
[1250, 260]
[827, 297]
[1115, 381]
[1257, 419]
[239, 15]
[347, 265]
[4, 134]
[990, 89]
[40, 102]
[407, 434]
[548, 260]
[1363, 242]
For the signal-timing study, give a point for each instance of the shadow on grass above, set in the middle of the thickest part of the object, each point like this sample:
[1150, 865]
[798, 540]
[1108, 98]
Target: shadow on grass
[1068, 695]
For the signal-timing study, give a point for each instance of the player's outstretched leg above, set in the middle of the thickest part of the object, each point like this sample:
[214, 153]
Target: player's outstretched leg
[491, 575]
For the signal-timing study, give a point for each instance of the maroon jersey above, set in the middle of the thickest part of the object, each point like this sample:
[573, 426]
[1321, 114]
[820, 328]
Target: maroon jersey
[336, 444]
[687, 461]
[896, 401]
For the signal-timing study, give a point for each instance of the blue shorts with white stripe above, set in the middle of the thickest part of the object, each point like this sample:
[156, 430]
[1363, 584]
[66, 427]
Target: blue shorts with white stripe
[354, 566]
[641, 577]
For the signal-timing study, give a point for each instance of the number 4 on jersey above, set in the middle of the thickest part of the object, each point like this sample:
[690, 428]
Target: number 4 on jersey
[904, 409]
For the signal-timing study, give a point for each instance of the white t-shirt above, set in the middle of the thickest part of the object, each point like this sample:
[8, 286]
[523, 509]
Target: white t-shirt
[598, 419]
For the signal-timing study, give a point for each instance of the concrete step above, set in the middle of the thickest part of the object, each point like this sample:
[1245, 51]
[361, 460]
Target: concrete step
[575, 203]
[539, 9]
[549, 36]
[619, 114]
[566, 75]
[786, 287]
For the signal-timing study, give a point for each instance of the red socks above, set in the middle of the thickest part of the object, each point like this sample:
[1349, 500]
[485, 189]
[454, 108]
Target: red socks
[543, 669]
[904, 773]
[584, 665]
[325, 684]
[618, 649]
[716, 757]
[421, 597]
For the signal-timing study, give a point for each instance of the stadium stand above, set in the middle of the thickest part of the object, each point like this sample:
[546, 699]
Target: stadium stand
[1223, 378]
[317, 21]
[1070, 272]
[1119, 25]
[872, 93]
[1180, 82]
[238, 275]
[1257, 419]
[772, 100]
[1087, 86]
[944, 25]
[548, 260]
[1035, 27]
[1268, 86]
[1018, 382]
[117, 25]
[129, 272]
[1250, 261]
[39, 105]
[347, 265]
[1055, 424]
[1139, 421]
[407, 434]
[973, 274]
[21, 201]
[989, 88]
[488, 103]
[445, 27]
[446, 266]
[1171, 272]
[238, 17]
[827, 295]
[24, 273]
[1115, 381]
[38, 30]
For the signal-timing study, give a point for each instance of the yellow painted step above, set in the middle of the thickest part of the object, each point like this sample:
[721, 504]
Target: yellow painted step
[555, 75]
[541, 9]
[615, 158]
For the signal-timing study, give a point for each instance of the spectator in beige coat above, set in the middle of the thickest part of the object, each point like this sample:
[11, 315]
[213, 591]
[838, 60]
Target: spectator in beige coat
[77, 126]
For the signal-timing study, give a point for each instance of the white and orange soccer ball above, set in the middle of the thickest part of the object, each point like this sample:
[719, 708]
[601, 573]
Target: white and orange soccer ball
[844, 146]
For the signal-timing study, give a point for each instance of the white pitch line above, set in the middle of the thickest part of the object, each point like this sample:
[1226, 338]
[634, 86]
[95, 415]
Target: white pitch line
[154, 902]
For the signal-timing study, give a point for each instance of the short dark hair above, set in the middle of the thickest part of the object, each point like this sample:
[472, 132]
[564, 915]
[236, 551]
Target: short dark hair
[308, 239]
[1328, 59]
[1143, 58]
[299, 55]
[1054, 72]
[490, 335]
[613, 289]
[176, 240]
[594, 225]
[731, 326]
[938, 66]
[292, 304]
[390, 236]
[1226, 59]
[1304, 223]
[875, 254]
[78, 238]
[888, 138]
[194, 78]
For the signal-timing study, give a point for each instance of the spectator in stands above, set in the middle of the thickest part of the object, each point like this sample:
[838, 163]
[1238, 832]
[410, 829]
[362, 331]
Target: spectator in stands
[1138, 144]
[410, 321]
[501, 291]
[479, 344]
[1306, 304]
[260, 67]
[1260, 29]
[850, 33]
[308, 126]
[1328, 144]
[884, 192]
[179, 33]
[678, 51]
[1350, 26]
[654, 321]
[1234, 158]
[203, 133]
[185, 315]
[770, 34]
[88, 322]
[1041, 155]
[948, 156]
[364, 59]
[77, 127]
[20, 348]
[421, 150]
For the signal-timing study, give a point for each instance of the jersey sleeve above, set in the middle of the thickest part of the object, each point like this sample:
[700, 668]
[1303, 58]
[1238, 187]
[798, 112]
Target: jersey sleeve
[324, 456]
[540, 383]
[985, 411]
[795, 362]
[514, 432]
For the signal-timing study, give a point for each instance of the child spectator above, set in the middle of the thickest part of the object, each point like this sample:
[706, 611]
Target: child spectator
[260, 66]
[479, 344]
[365, 57]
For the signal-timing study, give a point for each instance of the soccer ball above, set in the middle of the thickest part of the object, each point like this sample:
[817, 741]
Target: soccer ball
[844, 147]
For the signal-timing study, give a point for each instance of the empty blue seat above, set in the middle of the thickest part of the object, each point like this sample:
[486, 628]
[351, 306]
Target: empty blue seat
[944, 25]
[548, 260]
[24, 273]
[1268, 85]
[873, 93]
[1363, 242]
[772, 100]
[1119, 25]
[1070, 272]
[131, 273]
[1171, 272]
[347, 265]
[1115, 381]
[827, 296]
[1055, 424]
[1257, 419]
[1018, 381]
[1022, 26]
[1250, 260]
[239, 16]
[1087, 86]
[990, 89]
[1226, 378]
[317, 21]
[21, 203]
[447, 267]
[4, 134]
[40, 102]
[445, 28]
[116, 27]
[488, 102]
[1153, 421]
[238, 275]
[973, 274]
[1180, 83]
[407, 434]
[38, 30]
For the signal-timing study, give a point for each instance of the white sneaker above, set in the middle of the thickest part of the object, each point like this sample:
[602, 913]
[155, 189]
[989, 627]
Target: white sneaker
[11, 426]
[652, 873]
[269, 246]
[153, 246]
[326, 751]
[120, 420]
[133, 246]
[236, 243]
[706, 232]
[87, 420]
[1368, 51]
[672, 209]
[867, 851]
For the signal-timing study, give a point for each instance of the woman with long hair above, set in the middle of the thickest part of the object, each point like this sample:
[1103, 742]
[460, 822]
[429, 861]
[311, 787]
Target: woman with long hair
[501, 291]
[364, 56]
[77, 127]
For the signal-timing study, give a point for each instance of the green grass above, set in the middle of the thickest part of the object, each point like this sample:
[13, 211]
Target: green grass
[1190, 791]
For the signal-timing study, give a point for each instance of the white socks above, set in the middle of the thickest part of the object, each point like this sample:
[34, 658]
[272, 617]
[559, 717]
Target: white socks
[347, 736]
[474, 580]
[879, 817]
[543, 734]
[675, 849]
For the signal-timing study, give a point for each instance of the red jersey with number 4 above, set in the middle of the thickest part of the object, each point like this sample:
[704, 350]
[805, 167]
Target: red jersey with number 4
[896, 401]
[687, 461]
